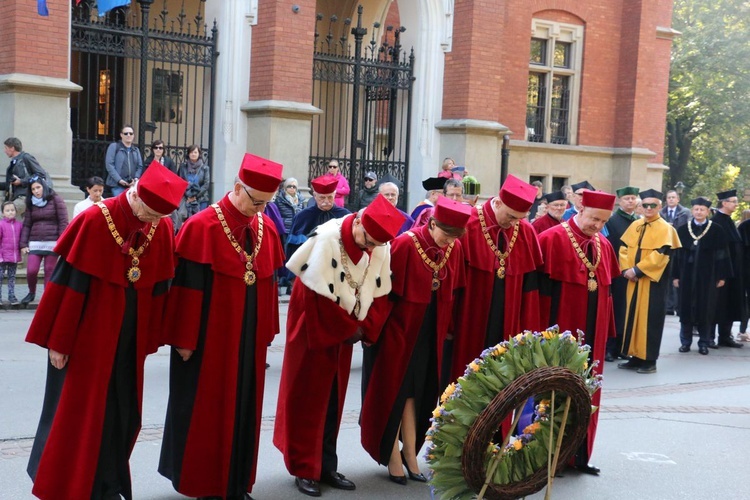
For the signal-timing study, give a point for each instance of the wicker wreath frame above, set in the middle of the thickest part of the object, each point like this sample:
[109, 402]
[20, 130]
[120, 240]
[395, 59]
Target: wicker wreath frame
[543, 379]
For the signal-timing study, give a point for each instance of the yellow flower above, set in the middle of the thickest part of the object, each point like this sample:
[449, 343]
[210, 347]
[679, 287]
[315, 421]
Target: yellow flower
[548, 334]
[531, 428]
[585, 365]
[474, 366]
[436, 411]
[517, 445]
[448, 392]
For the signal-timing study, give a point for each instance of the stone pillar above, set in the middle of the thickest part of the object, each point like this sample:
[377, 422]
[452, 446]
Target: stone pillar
[35, 85]
[279, 111]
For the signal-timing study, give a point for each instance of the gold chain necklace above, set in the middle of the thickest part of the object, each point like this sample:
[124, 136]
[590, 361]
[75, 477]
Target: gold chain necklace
[501, 256]
[348, 275]
[249, 275]
[592, 285]
[134, 273]
[436, 268]
[692, 234]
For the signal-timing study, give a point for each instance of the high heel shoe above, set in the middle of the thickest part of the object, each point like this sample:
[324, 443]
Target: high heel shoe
[397, 479]
[28, 299]
[419, 477]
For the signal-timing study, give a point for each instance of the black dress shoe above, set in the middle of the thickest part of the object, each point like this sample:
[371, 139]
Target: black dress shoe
[609, 357]
[336, 480]
[646, 369]
[730, 343]
[703, 350]
[713, 345]
[629, 365]
[684, 348]
[309, 487]
[588, 469]
[397, 479]
[622, 356]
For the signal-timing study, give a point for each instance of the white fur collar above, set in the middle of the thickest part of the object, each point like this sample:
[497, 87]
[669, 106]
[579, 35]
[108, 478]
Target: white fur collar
[318, 265]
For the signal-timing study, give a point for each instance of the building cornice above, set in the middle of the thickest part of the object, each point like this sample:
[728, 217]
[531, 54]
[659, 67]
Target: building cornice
[577, 150]
[666, 33]
[285, 109]
[39, 85]
[467, 125]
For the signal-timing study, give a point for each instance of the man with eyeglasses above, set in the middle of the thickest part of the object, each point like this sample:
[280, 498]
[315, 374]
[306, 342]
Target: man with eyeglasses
[342, 185]
[99, 317]
[502, 255]
[325, 209]
[123, 162]
[556, 204]
[341, 298]
[368, 192]
[645, 260]
[731, 304]
[222, 312]
[617, 225]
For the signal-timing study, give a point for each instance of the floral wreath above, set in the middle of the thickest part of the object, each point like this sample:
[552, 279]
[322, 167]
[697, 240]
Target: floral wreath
[533, 360]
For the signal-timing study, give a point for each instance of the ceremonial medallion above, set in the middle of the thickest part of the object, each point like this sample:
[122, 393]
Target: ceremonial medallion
[249, 278]
[592, 285]
[134, 274]
[501, 272]
[435, 282]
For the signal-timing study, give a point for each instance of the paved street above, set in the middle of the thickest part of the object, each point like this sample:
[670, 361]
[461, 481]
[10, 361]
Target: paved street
[682, 433]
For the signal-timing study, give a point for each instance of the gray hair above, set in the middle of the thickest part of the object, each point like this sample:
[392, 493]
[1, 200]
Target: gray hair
[389, 184]
[290, 180]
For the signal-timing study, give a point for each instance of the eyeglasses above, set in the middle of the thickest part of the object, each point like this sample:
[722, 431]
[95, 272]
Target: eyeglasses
[256, 202]
[158, 147]
[367, 179]
[650, 205]
[333, 166]
[126, 133]
[291, 187]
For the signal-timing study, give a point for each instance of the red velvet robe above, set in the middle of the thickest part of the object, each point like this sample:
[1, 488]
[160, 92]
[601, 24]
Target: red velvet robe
[521, 305]
[410, 296]
[544, 222]
[210, 316]
[315, 356]
[84, 322]
[568, 303]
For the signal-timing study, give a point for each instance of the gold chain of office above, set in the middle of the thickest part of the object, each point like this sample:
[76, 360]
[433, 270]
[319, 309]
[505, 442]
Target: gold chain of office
[249, 275]
[692, 234]
[134, 273]
[592, 284]
[436, 268]
[501, 256]
[348, 276]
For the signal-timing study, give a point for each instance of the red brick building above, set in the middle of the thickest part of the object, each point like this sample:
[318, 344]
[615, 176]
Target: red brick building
[579, 86]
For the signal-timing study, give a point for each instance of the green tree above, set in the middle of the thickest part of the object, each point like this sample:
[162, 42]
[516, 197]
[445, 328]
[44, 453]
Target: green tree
[708, 118]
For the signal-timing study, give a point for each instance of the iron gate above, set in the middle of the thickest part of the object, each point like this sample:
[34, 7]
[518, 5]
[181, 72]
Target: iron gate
[364, 90]
[153, 73]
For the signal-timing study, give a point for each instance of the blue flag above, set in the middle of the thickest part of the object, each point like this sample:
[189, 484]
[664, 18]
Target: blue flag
[105, 6]
[41, 7]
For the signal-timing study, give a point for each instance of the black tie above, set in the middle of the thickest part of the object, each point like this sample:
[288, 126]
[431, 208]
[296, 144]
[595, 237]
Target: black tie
[671, 214]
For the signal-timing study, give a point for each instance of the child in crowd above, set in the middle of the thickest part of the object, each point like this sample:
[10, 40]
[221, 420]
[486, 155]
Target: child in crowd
[10, 249]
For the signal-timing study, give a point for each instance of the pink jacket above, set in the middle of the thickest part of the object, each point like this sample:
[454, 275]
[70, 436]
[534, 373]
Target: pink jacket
[342, 190]
[10, 240]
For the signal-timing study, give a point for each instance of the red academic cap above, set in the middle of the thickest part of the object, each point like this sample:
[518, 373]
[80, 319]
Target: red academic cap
[161, 189]
[325, 184]
[598, 199]
[382, 220]
[517, 194]
[451, 213]
[260, 174]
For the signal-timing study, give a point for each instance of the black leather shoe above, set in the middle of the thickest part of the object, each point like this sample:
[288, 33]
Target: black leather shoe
[622, 356]
[609, 357]
[397, 479]
[703, 350]
[309, 487]
[336, 480]
[419, 477]
[730, 343]
[684, 348]
[646, 369]
[713, 345]
[629, 365]
[588, 469]
[28, 299]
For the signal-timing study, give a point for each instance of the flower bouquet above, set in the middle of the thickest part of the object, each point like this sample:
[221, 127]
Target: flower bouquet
[467, 454]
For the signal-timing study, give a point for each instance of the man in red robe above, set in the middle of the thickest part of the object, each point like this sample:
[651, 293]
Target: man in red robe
[99, 318]
[344, 272]
[556, 205]
[579, 266]
[222, 313]
[502, 254]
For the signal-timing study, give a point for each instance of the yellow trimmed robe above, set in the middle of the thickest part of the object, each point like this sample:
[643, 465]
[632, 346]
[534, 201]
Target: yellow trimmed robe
[646, 247]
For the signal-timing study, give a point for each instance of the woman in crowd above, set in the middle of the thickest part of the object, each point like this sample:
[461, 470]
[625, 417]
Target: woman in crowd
[158, 153]
[196, 173]
[289, 202]
[401, 372]
[45, 219]
[95, 189]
